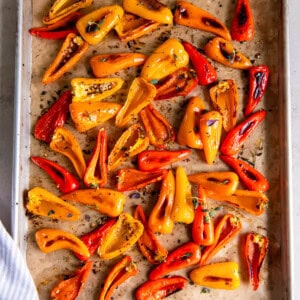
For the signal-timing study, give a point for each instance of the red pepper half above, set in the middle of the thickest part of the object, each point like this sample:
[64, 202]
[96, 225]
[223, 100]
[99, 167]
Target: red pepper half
[63, 179]
[258, 82]
[96, 172]
[251, 177]
[160, 288]
[255, 252]
[236, 137]
[206, 73]
[53, 118]
[184, 256]
[94, 238]
[150, 160]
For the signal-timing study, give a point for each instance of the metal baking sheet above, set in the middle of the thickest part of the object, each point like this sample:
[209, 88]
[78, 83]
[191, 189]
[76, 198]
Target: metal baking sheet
[268, 47]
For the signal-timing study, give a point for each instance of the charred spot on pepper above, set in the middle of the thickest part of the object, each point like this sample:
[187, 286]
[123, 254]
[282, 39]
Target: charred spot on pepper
[212, 23]
[242, 15]
[152, 4]
[182, 11]
[93, 26]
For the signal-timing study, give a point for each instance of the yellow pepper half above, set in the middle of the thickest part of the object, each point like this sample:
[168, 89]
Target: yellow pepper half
[94, 26]
[165, 59]
[121, 236]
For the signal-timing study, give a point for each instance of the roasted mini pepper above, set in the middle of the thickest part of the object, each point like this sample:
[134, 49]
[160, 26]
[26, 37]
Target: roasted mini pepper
[148, 243]
[121, 236]
[50, 240]
[132, 179]
[226, 228]
[121, 271]
[106, 201]
[55, 117]
[224, 97]
[60, 9]
[150, 160]
[130, 143]
[224, 52]
[258, 82]
[64, 142]
[249, 176]
[131, 27]
[182, 257]
[160, 219]
[69, 288]
[183, 208]
[63, 179]
[87, 115]
[104, 65]
[203, 226]
[255, 251]
[158, 129]
[71, 51]
[150, 10]
[188, 14]
[43, 203]
[94, 89]
[94, 26]
[210, 125]
[206, 73]
[179, 83]
[242, 27]
[223, 275]
[189, 130]
[141, 93]
[236, 137]
[160, 288]
[96, 171]
[164, 60]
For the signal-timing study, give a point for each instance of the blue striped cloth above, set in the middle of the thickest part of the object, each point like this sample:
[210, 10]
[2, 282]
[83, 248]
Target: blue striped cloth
[15, 280]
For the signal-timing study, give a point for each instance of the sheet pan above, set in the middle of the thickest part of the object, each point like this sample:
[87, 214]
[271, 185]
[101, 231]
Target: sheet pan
[268, 47]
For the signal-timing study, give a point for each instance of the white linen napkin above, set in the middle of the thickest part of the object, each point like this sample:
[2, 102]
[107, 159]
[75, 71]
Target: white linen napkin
[16, 282]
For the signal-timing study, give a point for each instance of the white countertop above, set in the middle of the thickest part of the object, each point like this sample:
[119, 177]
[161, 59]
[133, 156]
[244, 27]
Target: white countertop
[8, 25]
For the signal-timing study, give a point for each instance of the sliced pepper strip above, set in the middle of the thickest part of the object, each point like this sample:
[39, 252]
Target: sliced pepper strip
[94, 89]
[223, 275]
[258, 82]
[121, 236]
[121, 271]
[225, 230]
[236, 137]
[249, 176]
[130, 143]
[188, 14]
[64, 142]
[206, 73]
[96, 171]
[63, 179]
[150, 160]
[224, 52]
[132, 179]
[106, 201]
[73, 48]
[182, 257]
[94, 26]
[148, 244]
[50, 240]
[189, 130]
[141, 93]
[255, 251]
[55, 117]
[43, 203]
[70, 288]
[160, 288]
[242, 27]
[157, 127]
[160, 219]
[87, 115]
[224, 97]
[203, 226]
